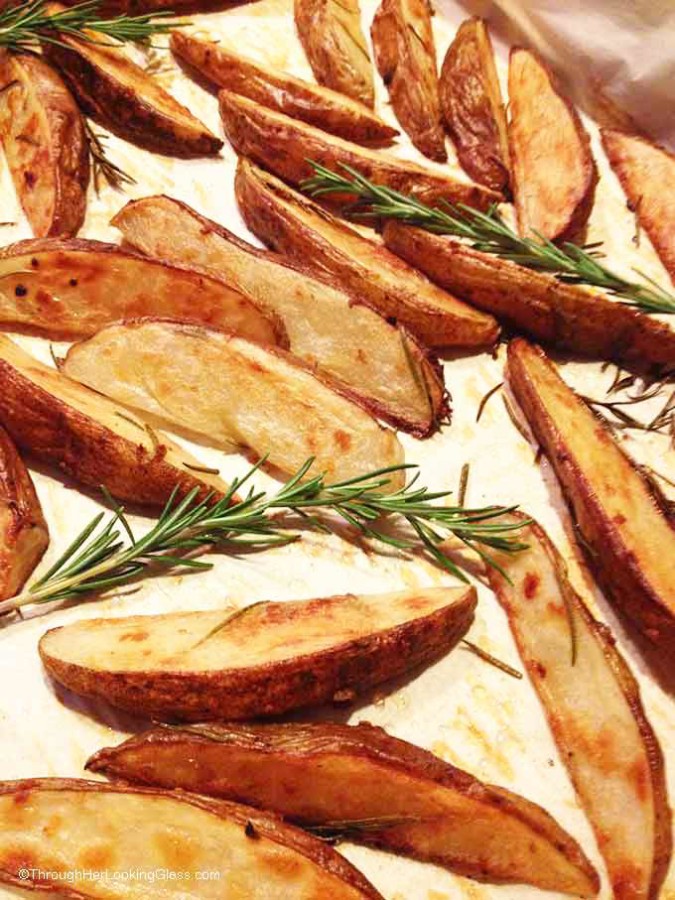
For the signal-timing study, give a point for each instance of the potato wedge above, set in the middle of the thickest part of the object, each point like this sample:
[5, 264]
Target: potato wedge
[593, 706]
[57, 832]
[323, 773]
[553, 171]
[331, 35]
[629, 539]
[24, 536]
[563, 315]
[311, 103]
[290, 223]
[405, 56]
[284, 146]
[45, 145]
[384, 367]
[72, 288]
[234, 391]
[90, 438]
[273, 658]
[647, 174]
[121, 96]
[472, 107]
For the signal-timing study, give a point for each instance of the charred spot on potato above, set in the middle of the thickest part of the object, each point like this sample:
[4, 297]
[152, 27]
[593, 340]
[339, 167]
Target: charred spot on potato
[20, 290]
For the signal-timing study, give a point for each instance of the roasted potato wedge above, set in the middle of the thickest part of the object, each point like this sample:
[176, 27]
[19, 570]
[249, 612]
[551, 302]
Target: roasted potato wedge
[233, 391]
[70, 827]
[90, 438]
[553, 171]
[384, 367]
[593, 706]
[311, 103]
[405, 55]
[284, 146]
[116, 92]
[563, 315]
[45, 145]
[24, 536]
[72, 288]
[331, 35]
[629, 538]
[647, 174]
[472, 107]
[292, 224]
[333, 777]
[273, 658]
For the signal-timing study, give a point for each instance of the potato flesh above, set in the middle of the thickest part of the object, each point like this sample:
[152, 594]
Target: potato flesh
[75, 288]
[594, 709]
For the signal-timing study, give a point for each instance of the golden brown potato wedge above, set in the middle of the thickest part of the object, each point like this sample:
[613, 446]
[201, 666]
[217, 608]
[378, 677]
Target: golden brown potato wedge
[333, 777]
[629, 539]
[72, 288]
[330, 32]
[56, 832]
[553, 171]
[472, 107]
[116, 92]
[647, 174]
[231, 391]
[564, 315]
[90, 438]
[593, 706]
[24, 536]
[290, 223]
[405, 55]
[311, 103]
[45, 145]
[273, 658]
[383, 366]
[284, 146]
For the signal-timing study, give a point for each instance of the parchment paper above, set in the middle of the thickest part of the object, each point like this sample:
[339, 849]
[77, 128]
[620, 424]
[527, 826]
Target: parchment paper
[462, 709]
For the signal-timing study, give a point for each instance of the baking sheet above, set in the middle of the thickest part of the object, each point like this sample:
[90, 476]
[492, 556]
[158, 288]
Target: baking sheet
[462, 709]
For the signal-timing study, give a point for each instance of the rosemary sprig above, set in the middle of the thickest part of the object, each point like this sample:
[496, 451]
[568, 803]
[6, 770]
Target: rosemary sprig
[489, 233]
[103, 169]
[103, 556]
[27, 24]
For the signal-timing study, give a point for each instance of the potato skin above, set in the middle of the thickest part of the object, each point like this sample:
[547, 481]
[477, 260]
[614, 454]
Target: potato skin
[331, 36]
[472, 107]
[45, 144]
[405, 55]
[563, 315]
[24, 536]
[311, 103]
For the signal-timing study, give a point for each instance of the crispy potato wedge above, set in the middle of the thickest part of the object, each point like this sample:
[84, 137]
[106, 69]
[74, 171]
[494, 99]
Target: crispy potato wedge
[293, 225]
[331, 35]
[90, 438]
[337, 776]
[563, 315]
[45, 145]
[284, 146]
[593, 706]
[74, 287]
[629, 538]
[311, 103]
[553, 171]
[233, 391]
[121, 96]
[472, 107]
[384, 367]
[273, 658]
[24, 535]
[212, 849]
[405, 56]
[647, 174]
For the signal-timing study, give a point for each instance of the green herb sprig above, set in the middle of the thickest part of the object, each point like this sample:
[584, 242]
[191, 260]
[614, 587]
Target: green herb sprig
[489, 233]
[104, 556]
